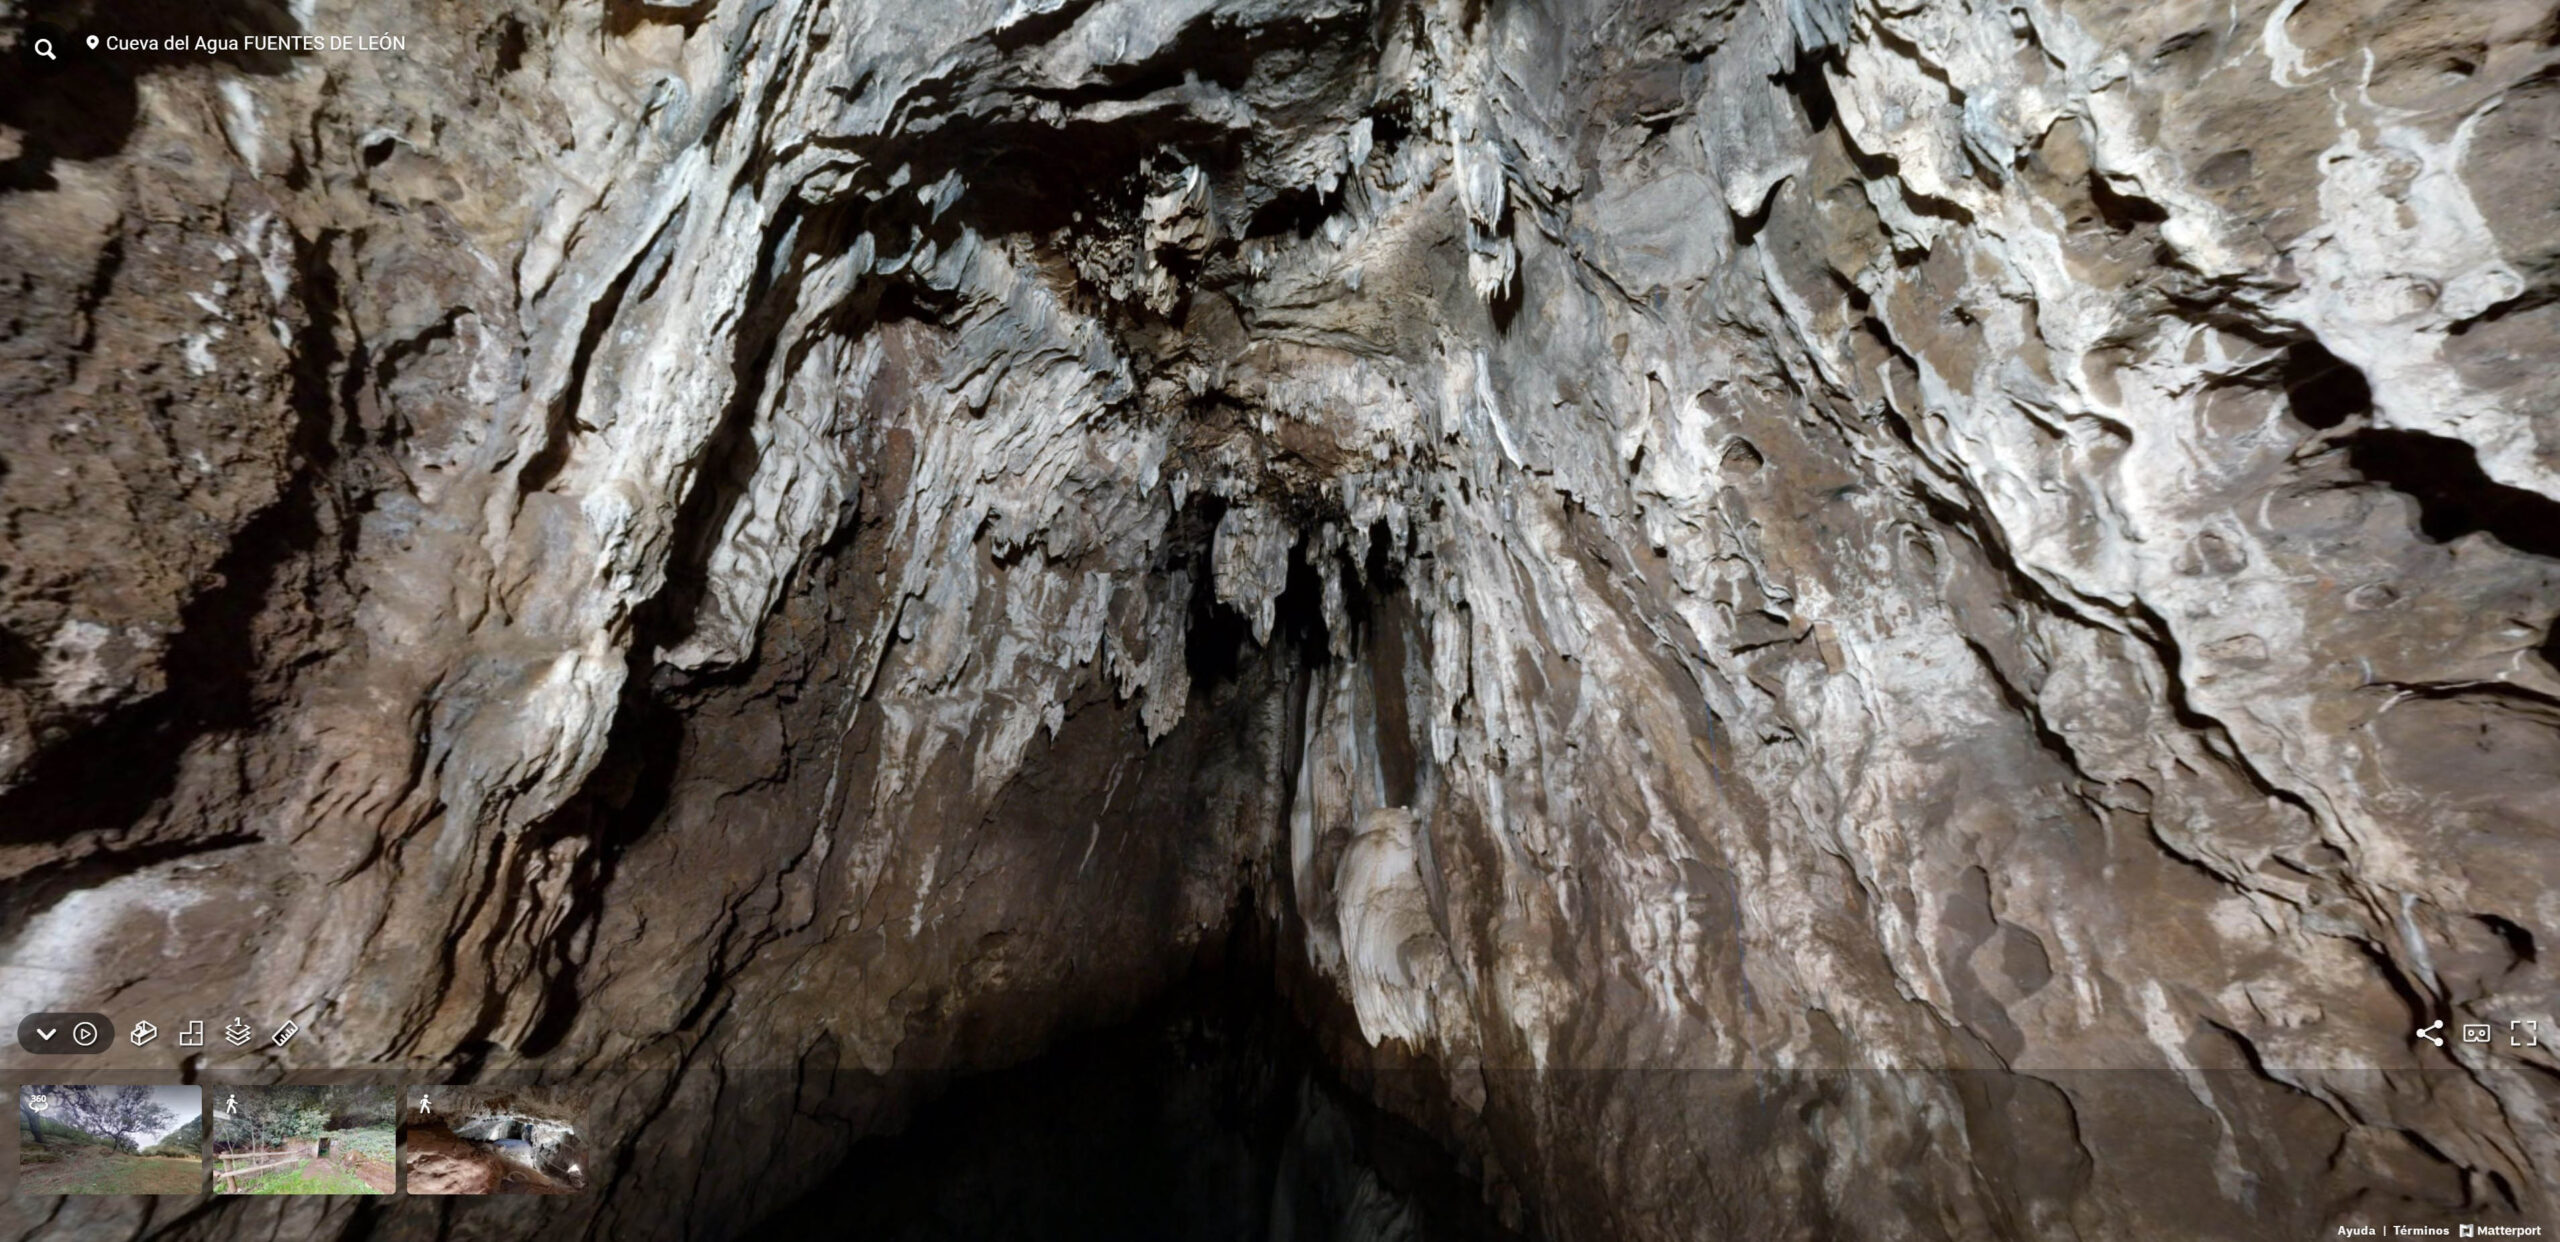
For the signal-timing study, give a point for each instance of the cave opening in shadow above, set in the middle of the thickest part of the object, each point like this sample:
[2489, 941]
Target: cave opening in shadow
[1209, 1115]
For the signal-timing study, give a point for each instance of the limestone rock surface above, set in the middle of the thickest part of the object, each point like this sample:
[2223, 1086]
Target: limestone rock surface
[1804, 618]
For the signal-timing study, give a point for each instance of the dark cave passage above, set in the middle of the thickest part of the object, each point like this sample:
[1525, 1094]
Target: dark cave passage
[1209, 1116]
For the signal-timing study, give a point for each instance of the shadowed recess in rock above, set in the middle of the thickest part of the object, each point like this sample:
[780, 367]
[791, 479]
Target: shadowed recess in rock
[1208, 1117]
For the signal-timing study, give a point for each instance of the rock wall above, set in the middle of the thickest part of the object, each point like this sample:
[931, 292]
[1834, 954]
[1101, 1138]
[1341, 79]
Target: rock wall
[1817, 616]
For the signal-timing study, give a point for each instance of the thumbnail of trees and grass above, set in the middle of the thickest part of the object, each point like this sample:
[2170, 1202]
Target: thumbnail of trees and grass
[336, 1140]
[87, 1140]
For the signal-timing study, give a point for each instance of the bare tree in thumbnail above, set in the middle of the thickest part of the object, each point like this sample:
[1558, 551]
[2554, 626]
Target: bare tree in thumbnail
[109, 1112]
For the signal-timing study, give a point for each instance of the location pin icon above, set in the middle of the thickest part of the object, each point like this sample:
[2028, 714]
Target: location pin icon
[93, 43]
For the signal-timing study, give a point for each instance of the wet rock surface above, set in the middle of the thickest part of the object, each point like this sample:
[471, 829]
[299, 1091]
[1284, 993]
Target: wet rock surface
[1765, 599]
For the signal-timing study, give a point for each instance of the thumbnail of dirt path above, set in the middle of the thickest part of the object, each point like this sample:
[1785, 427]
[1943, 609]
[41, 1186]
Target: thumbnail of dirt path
[94, 1172]
[377, 1174]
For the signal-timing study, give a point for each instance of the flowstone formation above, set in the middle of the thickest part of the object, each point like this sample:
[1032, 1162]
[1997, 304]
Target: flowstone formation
[1820, 618]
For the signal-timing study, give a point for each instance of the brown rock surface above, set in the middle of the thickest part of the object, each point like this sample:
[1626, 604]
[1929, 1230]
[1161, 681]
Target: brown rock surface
[1829, 618]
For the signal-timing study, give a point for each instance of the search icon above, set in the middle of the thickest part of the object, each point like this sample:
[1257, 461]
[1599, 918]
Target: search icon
[44, 48]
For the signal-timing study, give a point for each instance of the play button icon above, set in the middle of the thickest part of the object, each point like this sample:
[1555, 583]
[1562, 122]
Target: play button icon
[60, 1034]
